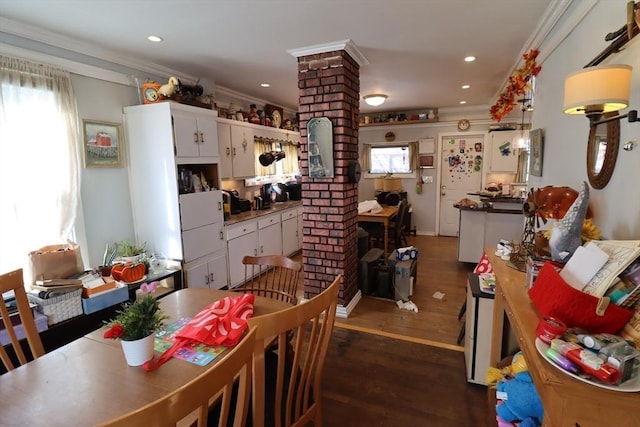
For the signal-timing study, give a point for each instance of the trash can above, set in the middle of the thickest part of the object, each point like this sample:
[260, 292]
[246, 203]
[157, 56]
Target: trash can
[367, 270]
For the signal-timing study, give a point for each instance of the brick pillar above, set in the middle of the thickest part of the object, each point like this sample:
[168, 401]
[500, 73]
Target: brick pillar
[329, 86]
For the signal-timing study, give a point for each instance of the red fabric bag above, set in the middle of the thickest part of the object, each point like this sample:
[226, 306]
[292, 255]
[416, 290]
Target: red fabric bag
[553, 297]
[222, 322]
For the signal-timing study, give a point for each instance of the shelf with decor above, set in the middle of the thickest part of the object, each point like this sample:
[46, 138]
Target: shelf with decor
[398, 122]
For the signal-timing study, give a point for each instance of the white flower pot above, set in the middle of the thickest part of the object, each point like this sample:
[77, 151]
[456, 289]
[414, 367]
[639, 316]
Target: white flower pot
[139, 351]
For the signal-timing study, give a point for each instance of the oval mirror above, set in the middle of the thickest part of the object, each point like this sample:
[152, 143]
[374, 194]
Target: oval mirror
[602, 151]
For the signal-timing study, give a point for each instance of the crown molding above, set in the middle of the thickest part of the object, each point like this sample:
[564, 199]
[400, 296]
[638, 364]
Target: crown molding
[49, 39]
[347, 45]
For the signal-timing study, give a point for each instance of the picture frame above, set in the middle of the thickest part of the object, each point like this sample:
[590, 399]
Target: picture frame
[102, 144]
[536, 154]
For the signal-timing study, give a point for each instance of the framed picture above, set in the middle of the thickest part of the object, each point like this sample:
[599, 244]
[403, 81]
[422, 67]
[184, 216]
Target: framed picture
[537, 152]
[102, 144]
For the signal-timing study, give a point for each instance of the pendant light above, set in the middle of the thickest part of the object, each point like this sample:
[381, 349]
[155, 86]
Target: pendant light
[521, 139]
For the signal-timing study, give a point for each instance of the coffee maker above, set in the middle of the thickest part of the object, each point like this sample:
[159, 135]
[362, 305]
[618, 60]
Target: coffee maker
[265, 193]
[238, 204]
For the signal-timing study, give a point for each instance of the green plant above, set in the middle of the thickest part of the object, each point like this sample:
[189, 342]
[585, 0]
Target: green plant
[136, 320]
[126, 249]
[110, 253]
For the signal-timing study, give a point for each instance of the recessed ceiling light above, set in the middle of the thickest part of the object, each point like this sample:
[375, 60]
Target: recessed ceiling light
[265, 85]
[470, 59]
[466, 86]
[155, 39]
[463, 102]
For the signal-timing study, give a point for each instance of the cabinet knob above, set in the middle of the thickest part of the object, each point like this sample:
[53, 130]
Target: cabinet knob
[228, 151]
[219, 206]
[195, 137]
[261, 249]
[255, 252]
[206, 279]
[212, 277]
[221, 235]
[201, 138]
[234, 151]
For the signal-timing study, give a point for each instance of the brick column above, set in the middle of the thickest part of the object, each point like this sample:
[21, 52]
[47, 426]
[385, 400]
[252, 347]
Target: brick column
[329, 86]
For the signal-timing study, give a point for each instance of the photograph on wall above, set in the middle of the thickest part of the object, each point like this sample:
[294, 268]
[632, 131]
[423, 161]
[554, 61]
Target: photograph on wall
[537, 152]
[102, 144]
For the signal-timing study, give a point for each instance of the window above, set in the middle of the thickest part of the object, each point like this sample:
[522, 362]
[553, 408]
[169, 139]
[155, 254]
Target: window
[394, 159]
[39, 189]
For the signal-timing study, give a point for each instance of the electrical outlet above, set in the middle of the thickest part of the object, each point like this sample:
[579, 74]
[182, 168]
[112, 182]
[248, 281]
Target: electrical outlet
[427, 179]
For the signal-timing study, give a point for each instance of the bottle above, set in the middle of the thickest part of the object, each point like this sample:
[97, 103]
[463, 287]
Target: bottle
[227, 211]
[588, 362]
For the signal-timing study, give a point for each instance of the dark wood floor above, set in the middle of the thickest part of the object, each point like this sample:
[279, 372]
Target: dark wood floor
[410, 371]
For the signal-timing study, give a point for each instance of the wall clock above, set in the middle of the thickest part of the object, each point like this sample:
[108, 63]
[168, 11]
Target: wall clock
[354, 172]
[275, 113]
[464, 124]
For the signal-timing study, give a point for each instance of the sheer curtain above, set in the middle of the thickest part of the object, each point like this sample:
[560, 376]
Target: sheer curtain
[39, 159]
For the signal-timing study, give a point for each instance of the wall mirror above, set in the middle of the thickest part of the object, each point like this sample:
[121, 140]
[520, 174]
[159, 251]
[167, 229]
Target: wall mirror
[602, 151]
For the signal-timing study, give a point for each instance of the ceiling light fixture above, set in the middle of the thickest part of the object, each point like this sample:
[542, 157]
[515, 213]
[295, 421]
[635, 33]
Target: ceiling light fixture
[469, 58]
[521, 139]
[265, 85]
[375, 99]
[463, 102]
[155, 39]
[466, 86]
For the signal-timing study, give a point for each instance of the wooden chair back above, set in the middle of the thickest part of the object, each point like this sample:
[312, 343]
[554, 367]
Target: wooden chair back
[302, 333]
[399, 236]
[272, 276]
[214, 385]
[13, 281]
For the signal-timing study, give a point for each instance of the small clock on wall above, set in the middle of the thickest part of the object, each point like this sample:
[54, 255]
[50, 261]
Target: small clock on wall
[464, 124]
[275, 113]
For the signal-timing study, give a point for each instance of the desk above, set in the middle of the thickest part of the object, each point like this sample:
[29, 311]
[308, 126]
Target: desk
[566, 401]
[88, 381]
[382, 217]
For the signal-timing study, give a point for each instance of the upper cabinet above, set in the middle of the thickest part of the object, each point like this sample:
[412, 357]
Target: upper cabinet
[504, 158]
[196, 135]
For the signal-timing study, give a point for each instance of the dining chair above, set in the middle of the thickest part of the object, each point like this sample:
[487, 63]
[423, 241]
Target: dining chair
[215, 384]
[287, 381]
[396, 232]
[13, 282]
[272, 276]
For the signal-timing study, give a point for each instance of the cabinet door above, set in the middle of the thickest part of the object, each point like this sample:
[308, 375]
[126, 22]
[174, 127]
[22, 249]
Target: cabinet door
[218, 277]
[186, 134]
[290, 232]
[270, 240]
[208, 136]
[197, 274]
[198, 209]
[201, 241]
[237, 249]
[242, 152]
[224, 141]
[300, 228]
[504, 158]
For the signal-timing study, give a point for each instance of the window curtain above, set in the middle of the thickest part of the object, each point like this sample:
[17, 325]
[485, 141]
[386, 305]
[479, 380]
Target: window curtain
[263, 145]
[39, 159]
[290, 162]
[413, 152]
[366, 158]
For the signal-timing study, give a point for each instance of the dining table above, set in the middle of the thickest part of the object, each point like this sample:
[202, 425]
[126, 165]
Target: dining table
[384, 217]
[88, 381]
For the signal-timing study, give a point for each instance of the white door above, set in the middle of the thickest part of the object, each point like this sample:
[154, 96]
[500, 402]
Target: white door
[461, 162]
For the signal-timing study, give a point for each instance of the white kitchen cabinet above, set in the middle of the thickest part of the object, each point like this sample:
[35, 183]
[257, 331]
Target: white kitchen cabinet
[184, 227]
[504, 158]
[196, 135]
[242, 239]
[208, 272]
[290, 232]
[237, 155]
[480, 228]
[477, 335]
[300, 210]
[270, 235]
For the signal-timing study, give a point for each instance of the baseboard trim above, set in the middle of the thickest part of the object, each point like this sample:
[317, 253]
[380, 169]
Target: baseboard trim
[343, 312]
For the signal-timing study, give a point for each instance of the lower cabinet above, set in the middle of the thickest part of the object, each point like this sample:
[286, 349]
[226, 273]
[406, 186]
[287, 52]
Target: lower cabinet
[209, 272]
[270, 235]
[242, 239]
[290, 232]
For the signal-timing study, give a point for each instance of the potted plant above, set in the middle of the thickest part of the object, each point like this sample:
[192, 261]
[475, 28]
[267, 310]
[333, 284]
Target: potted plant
[109, 256]
[130, 252]
[135, 325]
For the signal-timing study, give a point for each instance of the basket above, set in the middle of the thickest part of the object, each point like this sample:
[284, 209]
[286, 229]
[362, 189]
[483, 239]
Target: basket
[59, 308]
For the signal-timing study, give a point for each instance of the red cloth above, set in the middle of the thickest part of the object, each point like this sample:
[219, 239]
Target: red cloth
[222, 322]
[484, 266]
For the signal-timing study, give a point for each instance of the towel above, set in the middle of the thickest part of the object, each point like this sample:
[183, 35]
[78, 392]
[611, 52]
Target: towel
[222, 322]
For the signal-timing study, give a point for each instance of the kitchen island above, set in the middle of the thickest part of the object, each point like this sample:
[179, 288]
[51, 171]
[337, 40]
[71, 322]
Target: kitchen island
[494, 219]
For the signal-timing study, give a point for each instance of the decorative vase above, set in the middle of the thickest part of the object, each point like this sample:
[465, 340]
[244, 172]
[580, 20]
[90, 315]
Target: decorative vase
[138, 351]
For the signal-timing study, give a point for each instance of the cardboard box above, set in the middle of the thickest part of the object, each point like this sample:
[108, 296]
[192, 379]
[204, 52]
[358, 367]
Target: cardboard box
[105, 299]
[108, 283]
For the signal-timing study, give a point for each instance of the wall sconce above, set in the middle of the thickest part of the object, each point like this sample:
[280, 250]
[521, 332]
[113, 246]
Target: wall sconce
[375, 100]
[597, 90]
[270, 157]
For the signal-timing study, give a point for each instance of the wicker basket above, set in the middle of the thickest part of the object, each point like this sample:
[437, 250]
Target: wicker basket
[59, 308]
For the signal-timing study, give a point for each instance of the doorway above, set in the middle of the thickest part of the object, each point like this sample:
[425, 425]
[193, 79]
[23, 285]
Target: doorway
[461, 158]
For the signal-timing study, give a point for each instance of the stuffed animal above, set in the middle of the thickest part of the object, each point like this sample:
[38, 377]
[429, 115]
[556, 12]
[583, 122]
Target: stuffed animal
[520, 400]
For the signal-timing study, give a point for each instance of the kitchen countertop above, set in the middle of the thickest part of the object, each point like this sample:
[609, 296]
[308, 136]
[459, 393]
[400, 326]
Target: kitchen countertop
[275, 207]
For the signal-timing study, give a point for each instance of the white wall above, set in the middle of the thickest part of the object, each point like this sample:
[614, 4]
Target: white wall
[617, 206]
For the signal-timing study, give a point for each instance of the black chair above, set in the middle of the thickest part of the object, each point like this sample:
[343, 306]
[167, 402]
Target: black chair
[397, 230]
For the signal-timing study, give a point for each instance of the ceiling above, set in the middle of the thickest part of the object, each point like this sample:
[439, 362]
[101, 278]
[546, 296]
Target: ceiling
[415, 48]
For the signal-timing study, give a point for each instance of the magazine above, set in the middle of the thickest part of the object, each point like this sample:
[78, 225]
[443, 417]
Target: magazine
[621, 254]
[198, 354]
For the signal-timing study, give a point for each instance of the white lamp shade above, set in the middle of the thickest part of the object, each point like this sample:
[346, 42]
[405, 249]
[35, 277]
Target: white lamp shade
[602, 88]
[374, 100]
[521, 139]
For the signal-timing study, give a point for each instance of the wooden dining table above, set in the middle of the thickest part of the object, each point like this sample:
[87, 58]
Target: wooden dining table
[88, 381]
[383, 217]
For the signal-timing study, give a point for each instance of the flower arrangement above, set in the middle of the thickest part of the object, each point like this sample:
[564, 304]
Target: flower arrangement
[589, 231]
[519, 84]
[138, 319]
